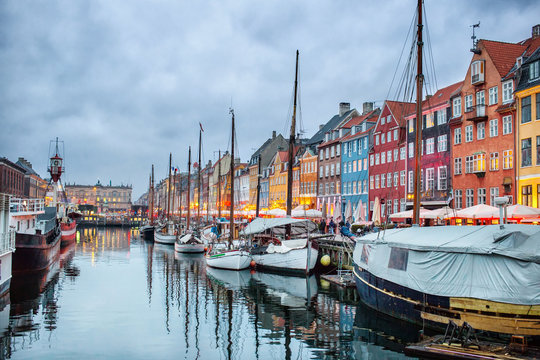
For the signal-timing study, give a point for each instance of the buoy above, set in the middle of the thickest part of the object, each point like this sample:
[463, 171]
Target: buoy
[325, 284]
[325, 260]
[205, 249]
[252, 263]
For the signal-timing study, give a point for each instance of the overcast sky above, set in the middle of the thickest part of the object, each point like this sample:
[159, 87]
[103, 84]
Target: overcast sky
[123, 83]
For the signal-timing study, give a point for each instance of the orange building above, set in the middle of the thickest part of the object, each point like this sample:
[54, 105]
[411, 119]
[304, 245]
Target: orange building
[278, 181]
[308, 179]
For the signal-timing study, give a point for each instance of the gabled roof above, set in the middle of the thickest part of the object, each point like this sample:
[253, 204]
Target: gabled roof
[28, 169]
[330, 125]
[503, 54]
[399, 110]
[442, 96]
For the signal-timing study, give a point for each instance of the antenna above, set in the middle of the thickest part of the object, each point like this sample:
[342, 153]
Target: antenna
[473, 37]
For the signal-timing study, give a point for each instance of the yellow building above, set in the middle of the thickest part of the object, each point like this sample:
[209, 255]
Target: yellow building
[277, 197]
[528, 132]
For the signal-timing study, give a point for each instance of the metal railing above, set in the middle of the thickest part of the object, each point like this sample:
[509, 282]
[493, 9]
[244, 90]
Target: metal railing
[7, 242]
[26, 205]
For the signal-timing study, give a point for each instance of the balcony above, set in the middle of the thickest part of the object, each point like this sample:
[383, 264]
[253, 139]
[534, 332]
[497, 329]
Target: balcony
[477, 113]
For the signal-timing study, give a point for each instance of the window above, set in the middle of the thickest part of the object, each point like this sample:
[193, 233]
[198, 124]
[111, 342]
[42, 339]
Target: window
[353, 147]
[402, 155]
[371, 182]
[534, 70]
[389, 180]
[327, 153]
[354, 166]
[468, 133]
[481, 130]
[526, 152]
[494, 161]
[481, 196]
[507, 124]
[383, 138]
[354, 187]
[402, 177]
[441, 143]
[377, 159]
[345, 146]
[480, 98]
[332, 188]
[441, 117]
[345, 168]
[389, 156]
[350, 167]
[326, 170]
[337, 168]
[508, 159]
[365, 186]
[456, 107]
[442, 178]
[477, 72]
[493, 127]
[383, 120]
[396, 154]
[396, 204]
[396, 179]
[389, 136]
[469, 197]
[479, 162]
[383, 157]
[457, 136]
[321, 155]
[493, 193]
[458, 203]
[365, 140]
[338, 147]
[468, 103]
[430, 180]
[371, 157]
[493, 95]
[538, 150]
[383, 180]
[395, 134]
[430, 146]
[508, 89]
[411, 182]
[430, 120]
[377, 181]
[321, 172]
[457, 166]
[365, 164]
[537, 96]
[376, 139]
[332, 152]
[469, 160]
[411, 149]
[526, 109]
[411, 125]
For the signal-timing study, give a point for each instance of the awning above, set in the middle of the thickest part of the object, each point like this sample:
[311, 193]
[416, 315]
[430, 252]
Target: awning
[278, 226]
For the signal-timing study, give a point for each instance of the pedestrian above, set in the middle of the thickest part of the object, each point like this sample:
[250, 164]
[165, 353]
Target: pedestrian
[332, 226]
[322, 226]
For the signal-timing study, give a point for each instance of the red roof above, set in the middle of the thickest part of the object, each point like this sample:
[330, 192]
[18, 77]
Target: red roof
[442, 96]
[400, 109]
[503, 54]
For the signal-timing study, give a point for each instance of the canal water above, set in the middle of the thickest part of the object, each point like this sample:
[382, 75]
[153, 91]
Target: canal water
[112, 295]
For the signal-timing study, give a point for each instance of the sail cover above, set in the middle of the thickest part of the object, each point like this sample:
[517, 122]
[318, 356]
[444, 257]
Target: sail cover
[482, 262]
[278, 226]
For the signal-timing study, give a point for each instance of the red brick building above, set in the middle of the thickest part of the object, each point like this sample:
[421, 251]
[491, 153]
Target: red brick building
[483, 126]
[11, 178]
[387, 159]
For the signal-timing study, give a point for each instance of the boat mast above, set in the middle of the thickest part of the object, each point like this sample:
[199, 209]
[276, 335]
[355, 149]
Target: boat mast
[291, 145]
[180, 201]
[152, 198]
[199, 183]
[258, 186]
[173, 188]
[418, 140]
[169, 188]
[188, 188]
[231, 232]
[219, 184]
[207, 194]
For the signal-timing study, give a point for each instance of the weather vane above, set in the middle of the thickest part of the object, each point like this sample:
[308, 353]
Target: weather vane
[473, 37]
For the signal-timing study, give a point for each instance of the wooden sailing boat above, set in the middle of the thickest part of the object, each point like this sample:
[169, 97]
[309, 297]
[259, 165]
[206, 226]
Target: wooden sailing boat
[147, 230]
[230, 259]
[190, 242]
[486, 276]
[297, 255]
[167, 233]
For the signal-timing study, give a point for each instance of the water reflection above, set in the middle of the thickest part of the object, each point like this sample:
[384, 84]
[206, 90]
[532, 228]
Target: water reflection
[157, 303]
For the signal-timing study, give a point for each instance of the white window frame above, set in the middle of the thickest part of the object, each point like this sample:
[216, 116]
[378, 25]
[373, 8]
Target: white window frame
[469, 133]
[508, 91]
[493, 127]
[456, 107]
[507, 124]
[481, 131]
[457, 136]
[493, 95]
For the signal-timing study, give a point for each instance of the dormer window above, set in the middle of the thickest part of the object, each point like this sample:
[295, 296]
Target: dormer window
[534, 70]
[508, 89]
[477, 72]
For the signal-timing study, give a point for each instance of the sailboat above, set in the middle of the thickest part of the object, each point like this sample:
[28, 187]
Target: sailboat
[230, 259]
[486, 276]
[190, 241]
[285, 244]
[167, 234]
[147, 230]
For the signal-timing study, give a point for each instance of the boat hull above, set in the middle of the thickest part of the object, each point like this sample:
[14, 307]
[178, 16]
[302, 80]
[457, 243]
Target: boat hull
[230, 260]
[148, 232]
[162, 238]
[69, 232]
[5, 267]
[189, 248]
[436, 311]
[33, 252]
[295, 261]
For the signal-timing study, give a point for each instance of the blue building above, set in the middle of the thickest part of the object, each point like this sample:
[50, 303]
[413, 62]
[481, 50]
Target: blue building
[265, 189]
[355, 166]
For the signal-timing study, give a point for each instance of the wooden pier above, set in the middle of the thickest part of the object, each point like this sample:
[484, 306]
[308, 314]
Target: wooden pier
[339, 248]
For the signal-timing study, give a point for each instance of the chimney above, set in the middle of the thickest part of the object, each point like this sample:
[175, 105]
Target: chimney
[25, 162]
[367, 107]
[321, 126]
[274, 134]
[535, 31]
[344, 107]
[428, 97]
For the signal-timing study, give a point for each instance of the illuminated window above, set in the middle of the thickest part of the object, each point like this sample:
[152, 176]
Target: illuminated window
[430, 120]
[494, 161]
[479, 162]
[411, 125]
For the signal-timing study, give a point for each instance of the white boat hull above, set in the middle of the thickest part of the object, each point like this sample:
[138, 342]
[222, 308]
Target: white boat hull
[230, 260]
[294, 260]
[189, 248]
[162, 238]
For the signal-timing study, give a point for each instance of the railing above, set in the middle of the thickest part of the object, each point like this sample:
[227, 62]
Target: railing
[7, 242]
[26, 205]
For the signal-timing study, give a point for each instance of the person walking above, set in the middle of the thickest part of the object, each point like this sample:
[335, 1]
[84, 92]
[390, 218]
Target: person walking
[322, 226]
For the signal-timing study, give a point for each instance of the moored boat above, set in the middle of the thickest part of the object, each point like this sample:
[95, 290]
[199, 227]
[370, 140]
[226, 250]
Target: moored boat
[166, 234]
[147, 231]
[189, 243]
[69, 231]
[7, 245]
[229, 259]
